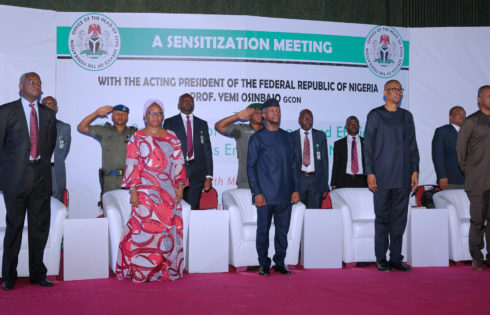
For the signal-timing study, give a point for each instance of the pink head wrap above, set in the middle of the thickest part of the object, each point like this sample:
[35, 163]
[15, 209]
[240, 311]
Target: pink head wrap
[149, 103]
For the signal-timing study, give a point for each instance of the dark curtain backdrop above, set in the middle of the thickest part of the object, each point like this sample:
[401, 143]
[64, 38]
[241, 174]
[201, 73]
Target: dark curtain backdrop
[407, 13]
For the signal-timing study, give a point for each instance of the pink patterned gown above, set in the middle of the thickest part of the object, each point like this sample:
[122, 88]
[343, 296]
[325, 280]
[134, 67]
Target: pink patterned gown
[152, 242]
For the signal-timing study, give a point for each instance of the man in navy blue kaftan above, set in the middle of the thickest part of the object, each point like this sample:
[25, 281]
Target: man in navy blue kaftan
[392, 165]
[275, 183]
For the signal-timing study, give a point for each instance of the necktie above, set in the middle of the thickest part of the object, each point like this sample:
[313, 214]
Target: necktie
[34, 136]
[190, 150]
[306, 150]
[354, 165]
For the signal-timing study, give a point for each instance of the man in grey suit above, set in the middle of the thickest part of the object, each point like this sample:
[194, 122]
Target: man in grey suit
[311, 160]
[63, 142]
[473, 148]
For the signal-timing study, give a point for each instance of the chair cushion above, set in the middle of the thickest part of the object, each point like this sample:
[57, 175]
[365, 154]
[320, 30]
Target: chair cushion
[358, 200]
[363, 228]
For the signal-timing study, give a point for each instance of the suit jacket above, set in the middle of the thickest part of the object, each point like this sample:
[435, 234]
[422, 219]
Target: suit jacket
[340, 162]
[61, 150]
[473, 148]
[319, 151]
[444, 155]
[15, 145]
[203, 157]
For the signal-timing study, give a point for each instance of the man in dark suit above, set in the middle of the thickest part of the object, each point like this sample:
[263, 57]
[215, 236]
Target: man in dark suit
[311, 160]
[449, 175]
[274, 182]
[348, 158]
[392, 166]
[61, 150]
[27, 140]
[473, 149]
[193, 134]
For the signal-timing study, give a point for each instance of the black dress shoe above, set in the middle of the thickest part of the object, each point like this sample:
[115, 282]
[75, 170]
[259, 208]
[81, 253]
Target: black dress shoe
[43, 282]
[282, 270]
[362, 264]
[264, 271]
[383, 265]
[400, 266]
[8, 285]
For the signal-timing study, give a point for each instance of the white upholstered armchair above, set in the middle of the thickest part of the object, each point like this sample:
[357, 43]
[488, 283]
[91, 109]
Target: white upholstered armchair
[52, 250]
[243, 229]
[356, 205]
[117, 210]
[458, 205]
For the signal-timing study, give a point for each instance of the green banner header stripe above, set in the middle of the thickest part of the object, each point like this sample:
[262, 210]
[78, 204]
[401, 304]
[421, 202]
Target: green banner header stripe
[235, 44]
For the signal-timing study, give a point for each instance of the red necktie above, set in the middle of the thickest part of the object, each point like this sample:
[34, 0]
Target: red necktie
[354, 166]
[190, 150]
[34, 136]
[306, 150]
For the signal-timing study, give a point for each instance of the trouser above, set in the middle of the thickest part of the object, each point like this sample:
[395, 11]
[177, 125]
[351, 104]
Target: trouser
[282, 218]
[58, 189]
[192, 193]
[35, 198]
[353, 181]
[391, 209]
[308, 192]
[479, 216]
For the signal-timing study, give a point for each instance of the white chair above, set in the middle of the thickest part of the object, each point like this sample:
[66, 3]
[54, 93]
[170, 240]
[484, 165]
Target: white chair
[243, 229]
[356, 205]
[52, 250]
[458, 205]
[117, 209]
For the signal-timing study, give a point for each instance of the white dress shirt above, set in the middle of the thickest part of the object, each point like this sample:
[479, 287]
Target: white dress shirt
[311, 167]
[456, 127]
[27, 112]
[184, 119]
[348, 169]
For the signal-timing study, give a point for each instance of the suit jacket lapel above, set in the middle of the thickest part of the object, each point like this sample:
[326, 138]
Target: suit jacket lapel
[313, 150]
[21, 119]
[180, 132]
[195, 132]
[297, 140]
[42, 126]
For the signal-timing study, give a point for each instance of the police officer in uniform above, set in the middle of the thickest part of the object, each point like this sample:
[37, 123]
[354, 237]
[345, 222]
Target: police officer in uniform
[113, 140]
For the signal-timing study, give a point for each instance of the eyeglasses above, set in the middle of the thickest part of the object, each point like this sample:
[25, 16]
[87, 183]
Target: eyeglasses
[396, 90]
[159, 114]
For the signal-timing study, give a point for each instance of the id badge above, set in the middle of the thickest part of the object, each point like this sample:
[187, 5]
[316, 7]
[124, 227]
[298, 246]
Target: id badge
[318, 155]
[62, 144]
[202, 138]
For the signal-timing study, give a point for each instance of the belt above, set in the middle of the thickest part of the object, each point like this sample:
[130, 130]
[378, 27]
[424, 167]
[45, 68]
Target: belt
[34, 162]
[358, 175]
[308, 173]
[115, 172]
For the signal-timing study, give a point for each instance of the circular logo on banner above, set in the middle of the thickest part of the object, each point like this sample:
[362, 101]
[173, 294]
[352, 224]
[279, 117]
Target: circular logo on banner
[384, 51]
[94, 42]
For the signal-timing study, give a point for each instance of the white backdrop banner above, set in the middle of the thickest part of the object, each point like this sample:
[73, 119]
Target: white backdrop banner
[28, 44]
[447, 66]
[225, 62]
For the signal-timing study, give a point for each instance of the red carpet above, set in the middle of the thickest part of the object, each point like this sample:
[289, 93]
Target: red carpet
[452, 290]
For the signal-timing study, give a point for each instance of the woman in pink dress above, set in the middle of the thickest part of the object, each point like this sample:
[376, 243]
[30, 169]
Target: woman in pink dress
[152, 242]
